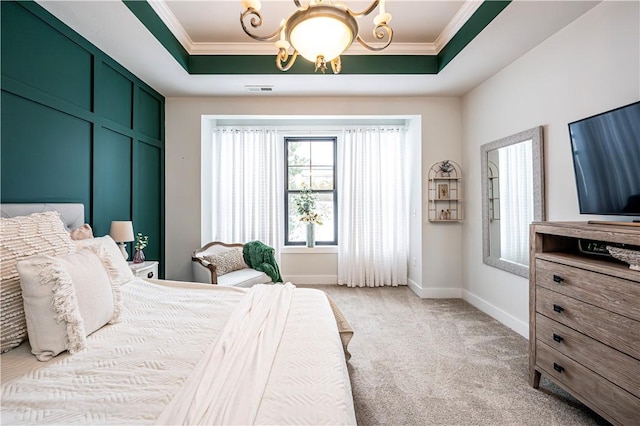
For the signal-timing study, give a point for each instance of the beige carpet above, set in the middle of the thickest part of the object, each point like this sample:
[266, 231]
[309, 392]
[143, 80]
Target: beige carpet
[443, 362]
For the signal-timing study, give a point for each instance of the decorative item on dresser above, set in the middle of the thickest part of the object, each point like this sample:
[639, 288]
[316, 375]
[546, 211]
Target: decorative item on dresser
[584, 315]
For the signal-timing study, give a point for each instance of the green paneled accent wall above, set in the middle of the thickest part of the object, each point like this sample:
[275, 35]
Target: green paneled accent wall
[46, 154]
[35, 48]
[111, 179]
[78, 127]
[114, 95]
[147, 192]
[149, 114]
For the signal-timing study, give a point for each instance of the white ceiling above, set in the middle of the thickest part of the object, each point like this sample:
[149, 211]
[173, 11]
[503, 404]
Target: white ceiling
[214, 27]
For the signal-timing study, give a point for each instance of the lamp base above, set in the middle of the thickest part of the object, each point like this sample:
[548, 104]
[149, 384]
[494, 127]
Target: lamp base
[123, 249]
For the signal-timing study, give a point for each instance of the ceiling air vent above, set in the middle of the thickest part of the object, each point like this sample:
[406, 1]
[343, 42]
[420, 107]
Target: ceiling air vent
[259, 89]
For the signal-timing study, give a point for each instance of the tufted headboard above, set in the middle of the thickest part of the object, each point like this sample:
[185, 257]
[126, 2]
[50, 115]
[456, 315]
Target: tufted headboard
[72, 214]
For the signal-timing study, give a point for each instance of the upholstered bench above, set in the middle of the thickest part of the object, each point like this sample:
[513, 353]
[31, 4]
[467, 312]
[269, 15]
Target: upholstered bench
[221, 263]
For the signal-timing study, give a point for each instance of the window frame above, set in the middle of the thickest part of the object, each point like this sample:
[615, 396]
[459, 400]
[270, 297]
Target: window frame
[334, 191]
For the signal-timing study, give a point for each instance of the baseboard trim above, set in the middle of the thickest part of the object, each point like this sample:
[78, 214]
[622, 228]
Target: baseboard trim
[520, 327]
[435, 293]
[311, 279]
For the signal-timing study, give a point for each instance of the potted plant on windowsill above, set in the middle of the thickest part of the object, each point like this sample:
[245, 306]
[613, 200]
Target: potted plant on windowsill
[305, 206]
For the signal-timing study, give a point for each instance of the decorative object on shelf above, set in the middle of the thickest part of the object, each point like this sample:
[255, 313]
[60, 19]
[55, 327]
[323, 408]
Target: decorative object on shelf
[445, 192]
[631, 257]
[122, 232]
[305, 206]
[320, 31]
[141, 242]
[446, 168]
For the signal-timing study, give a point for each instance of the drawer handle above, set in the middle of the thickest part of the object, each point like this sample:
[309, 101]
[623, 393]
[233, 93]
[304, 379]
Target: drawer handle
[557, 338]
[150, 274]
[558, 308]
[558, 367]
[557, 278]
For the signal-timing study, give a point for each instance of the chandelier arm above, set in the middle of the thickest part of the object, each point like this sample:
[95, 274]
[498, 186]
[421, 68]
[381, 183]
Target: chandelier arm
[283, 56]
[297, 3]
[336, 65]
[256, 22]
[379, 33]
[365, 12]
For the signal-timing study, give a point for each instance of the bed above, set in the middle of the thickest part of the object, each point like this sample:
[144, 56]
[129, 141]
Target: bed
[182, 353]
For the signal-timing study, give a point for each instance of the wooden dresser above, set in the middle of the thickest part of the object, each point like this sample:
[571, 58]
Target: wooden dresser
[584, 318]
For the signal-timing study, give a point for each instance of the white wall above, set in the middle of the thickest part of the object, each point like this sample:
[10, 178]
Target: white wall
[437, 265]
[590, 66]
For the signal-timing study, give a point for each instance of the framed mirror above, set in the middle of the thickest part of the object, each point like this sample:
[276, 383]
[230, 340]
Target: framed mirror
[512, 197]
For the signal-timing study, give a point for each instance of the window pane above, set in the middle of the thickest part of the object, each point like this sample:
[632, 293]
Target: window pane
[298, 176]
[325, 232]
[322, 153]
[298, 229]
[322, 178]
[299, 153]
[311, 163]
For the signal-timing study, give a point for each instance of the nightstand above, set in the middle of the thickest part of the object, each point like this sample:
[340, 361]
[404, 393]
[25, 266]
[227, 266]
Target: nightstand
[147, 269]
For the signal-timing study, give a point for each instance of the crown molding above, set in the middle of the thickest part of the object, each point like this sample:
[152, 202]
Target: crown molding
[252, 48]
[459, 19]
[163, 11]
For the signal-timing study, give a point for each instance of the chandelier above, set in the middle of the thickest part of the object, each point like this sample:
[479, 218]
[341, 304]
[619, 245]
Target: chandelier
[319, 31]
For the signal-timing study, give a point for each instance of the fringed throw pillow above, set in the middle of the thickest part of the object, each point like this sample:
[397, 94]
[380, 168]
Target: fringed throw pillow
[66, 298]
[22, 236]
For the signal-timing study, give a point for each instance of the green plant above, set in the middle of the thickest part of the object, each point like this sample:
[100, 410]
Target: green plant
[141, 241]
[306, 204]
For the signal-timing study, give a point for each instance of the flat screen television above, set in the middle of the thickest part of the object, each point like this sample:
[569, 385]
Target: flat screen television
[606, 161]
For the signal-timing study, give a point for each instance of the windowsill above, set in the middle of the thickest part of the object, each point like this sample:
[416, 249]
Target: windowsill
[308, 250]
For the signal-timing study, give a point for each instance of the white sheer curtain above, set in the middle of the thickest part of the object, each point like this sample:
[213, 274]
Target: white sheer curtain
[372, 201]
[247, 186]
[516, 201]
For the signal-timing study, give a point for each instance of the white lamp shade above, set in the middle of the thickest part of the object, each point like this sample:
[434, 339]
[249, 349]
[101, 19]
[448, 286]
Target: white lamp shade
[121, 231]
[321, 36]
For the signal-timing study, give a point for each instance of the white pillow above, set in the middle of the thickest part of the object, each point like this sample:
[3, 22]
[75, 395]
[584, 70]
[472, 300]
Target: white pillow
[22, 236]
[66, 298]
[111, 256]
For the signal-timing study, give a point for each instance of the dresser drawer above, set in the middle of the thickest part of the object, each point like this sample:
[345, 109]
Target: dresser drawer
[605, 397]
[619, 332]
[602, 359]
[611, 293]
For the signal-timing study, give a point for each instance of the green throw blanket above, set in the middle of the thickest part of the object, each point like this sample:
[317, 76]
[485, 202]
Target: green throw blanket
[260, 257]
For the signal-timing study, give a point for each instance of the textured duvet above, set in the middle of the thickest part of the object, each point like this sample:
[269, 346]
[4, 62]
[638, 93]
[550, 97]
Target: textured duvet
[132, 370]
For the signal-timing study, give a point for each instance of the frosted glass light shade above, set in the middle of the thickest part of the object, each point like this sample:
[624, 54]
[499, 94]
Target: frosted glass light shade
[321, 31]
[321, 36]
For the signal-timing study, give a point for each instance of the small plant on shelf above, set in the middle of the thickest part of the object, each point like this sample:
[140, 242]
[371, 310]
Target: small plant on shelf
[446, 168]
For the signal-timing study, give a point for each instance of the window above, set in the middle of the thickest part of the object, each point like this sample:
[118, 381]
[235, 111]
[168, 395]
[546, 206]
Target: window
[311, 162]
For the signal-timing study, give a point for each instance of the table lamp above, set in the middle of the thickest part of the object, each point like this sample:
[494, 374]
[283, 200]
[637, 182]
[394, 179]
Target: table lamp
[122, 232]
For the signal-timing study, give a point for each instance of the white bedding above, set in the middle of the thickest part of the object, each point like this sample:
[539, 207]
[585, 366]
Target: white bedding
[132, 370]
